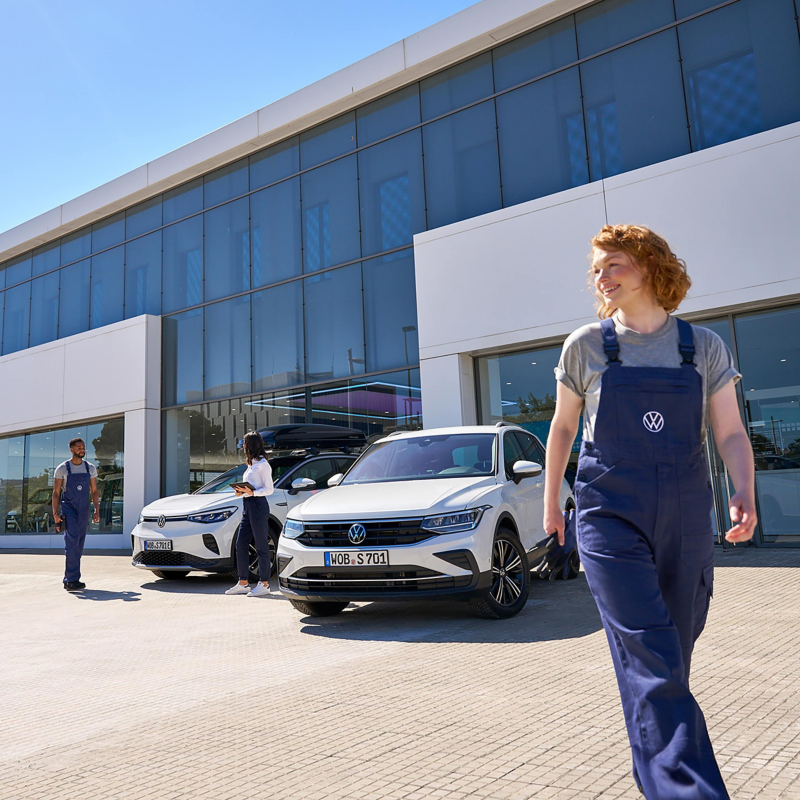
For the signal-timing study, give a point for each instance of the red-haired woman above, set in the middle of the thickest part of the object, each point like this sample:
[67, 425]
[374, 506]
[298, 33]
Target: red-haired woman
[647, 385]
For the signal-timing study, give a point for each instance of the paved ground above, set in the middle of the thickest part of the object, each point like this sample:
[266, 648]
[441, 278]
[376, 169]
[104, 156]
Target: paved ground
[150, 689]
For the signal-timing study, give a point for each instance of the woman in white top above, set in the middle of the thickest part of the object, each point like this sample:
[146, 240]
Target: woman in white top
[255, 517]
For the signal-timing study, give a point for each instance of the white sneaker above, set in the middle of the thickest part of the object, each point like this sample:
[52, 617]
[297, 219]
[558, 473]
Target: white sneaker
[259, 590]
[238, 589]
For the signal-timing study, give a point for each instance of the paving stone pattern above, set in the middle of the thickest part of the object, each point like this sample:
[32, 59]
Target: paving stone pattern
[142, 688]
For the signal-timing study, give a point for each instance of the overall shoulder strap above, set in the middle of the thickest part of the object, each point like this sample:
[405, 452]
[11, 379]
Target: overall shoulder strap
[610, 343]
[686, 342]
[87, 467]
[69, 469]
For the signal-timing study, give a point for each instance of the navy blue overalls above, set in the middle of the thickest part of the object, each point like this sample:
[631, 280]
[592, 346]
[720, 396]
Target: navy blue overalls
[644, 504]
[75, 510]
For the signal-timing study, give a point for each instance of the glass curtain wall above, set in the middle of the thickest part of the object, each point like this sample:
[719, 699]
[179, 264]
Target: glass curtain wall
[27, 467]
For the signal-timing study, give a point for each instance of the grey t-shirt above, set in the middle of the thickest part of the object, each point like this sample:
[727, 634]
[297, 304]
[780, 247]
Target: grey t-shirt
[61, 471]
[583, 362]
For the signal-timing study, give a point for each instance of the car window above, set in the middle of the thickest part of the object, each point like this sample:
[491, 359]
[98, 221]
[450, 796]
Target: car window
[222, 483]
[344, 464]
[512, 452]
[530, 447]
[319, 470]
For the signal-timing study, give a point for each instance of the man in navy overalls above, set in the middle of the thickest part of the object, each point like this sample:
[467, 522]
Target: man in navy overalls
[79, 481]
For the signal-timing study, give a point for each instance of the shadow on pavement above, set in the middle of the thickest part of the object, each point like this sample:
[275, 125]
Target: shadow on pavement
[201, 584]
[102, 594]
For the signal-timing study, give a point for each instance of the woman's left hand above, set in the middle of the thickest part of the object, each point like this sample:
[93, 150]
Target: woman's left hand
[743, 516]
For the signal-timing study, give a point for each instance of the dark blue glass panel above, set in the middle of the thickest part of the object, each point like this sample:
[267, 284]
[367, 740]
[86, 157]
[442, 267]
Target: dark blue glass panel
[390, 308]
[278, 337]
[46, 258]
[183, 265]
[542, 141]
[143, 218]
[274, 163]
[109, 232]
[16, 318]
[227, 249]
[536, 53]
[684, 8]
[2, 276]
[143, 276]
[108, 284]
[456, 87]
[330, 215]
[334, 324]
[76, 246]
[333, 138]
[44, 309]
[185, 200]
[613, 22]
[388, 115]
[226, 183]
[227, 348]
[18, 269]
[462, 174]
[634, 107]
[741, 67]
[392, 192]
[74, 299]
[182, 358]
[275, 239]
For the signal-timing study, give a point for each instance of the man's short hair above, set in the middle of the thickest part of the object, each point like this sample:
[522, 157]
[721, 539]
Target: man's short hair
[73, 442]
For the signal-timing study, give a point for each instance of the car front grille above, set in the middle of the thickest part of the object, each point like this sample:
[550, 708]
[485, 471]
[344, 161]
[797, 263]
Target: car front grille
[380, 533]
[172, 558]
[167, 520]
[351, 581]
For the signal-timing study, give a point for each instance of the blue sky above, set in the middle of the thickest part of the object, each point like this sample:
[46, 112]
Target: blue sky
[93, 89]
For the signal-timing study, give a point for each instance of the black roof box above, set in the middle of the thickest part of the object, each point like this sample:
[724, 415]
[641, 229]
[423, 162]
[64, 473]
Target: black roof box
[296, 437]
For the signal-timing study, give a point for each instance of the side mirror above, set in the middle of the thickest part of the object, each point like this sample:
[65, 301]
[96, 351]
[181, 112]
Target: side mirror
[336, 479]
[526, 469]
[303, 485]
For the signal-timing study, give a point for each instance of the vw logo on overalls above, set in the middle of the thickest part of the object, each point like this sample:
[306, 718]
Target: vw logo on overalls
[162, 521]
[653, 421]
[80, 488]
[357, 534]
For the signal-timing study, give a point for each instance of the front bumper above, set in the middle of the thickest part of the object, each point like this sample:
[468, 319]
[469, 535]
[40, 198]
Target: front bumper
[193, 547]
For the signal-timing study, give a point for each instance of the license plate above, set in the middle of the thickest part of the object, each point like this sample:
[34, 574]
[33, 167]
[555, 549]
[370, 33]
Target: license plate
[357, 558]
[158, 544]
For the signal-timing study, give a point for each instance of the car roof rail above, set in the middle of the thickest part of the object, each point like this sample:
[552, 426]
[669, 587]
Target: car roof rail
[502, 424]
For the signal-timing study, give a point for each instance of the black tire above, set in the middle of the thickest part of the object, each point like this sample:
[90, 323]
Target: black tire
[510, 579]
[325, 609]
[169, 575]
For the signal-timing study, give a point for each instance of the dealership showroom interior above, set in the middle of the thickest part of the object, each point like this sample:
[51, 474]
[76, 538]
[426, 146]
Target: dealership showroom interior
[403, 244]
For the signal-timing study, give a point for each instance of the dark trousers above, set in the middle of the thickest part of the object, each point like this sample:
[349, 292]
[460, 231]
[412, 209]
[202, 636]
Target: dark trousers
[74, 539]
[254, 527]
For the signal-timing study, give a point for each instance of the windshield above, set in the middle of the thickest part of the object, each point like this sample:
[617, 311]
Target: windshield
[222, 483]
[455, 455]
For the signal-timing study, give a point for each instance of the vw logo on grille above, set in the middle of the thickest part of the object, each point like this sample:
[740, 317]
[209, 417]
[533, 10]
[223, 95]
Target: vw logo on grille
[357, 534]
[653, 421]
[162, 521]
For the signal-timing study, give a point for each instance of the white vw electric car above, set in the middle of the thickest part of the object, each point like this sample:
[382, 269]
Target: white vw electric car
[445, 512]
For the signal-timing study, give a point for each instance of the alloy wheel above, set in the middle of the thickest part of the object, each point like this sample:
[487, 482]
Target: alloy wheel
[507, 573]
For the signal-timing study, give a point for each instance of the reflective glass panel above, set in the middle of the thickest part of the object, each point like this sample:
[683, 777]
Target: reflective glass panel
[44, 309]
[16, 318]
[278, 337]
[275, 238]
[330, 215]
[75, 296]
[634, 106]
[542, 142]
[685, 8]
[76, 246]
[185, 200]
[37, 489]
[227, 348]
[613, 22]
[227, 249]
[274, 409]
[2, 276]
[222, 432]
[2, 305]
[226, 183]
[46, 258]
[18, 269]
[108, 286]
[182, 456]
[388, 115]
[334, 324]
[326, 141]
[143, 275]
[462, 174]
[456, 87]
[143, 218]
[390, 307]
[741, 68]
[109, 232]
[536, 53]
[12, 458]
[392, 193]
[182, 271]
[105, 448]
[275, 163]
[182, 357]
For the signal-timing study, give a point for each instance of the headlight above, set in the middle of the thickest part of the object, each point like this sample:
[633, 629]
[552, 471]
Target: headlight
[141, 518]
[454, 523]
[211, 516]
[292, 528]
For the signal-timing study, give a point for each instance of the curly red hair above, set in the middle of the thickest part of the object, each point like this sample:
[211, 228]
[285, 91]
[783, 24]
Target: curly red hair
[664, 271]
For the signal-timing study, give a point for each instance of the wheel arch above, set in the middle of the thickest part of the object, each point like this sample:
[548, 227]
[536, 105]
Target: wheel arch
[506, 520]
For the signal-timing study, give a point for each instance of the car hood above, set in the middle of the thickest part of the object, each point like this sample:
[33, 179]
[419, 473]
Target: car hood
[189, 503]
[395, 498]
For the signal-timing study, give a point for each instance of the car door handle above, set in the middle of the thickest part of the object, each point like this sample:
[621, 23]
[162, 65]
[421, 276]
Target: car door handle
[282, 504]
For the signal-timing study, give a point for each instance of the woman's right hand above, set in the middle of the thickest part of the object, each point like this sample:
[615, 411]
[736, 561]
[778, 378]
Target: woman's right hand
[554, 522]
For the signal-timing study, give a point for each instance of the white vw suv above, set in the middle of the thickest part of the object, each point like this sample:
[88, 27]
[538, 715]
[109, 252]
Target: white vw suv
[445, 512]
